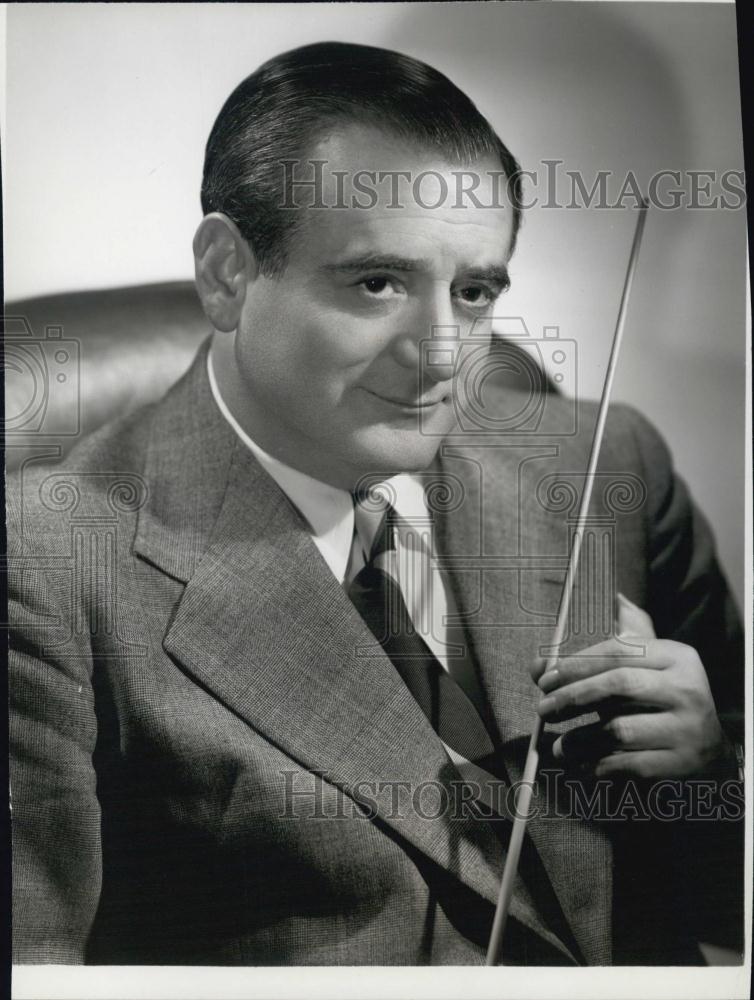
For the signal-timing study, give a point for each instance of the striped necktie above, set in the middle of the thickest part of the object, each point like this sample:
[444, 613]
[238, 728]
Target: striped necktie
[378, 599]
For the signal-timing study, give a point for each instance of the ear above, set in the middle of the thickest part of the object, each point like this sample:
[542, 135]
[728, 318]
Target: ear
[224, 264]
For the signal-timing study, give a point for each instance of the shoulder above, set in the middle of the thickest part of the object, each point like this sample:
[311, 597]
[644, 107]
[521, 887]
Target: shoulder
[567, 426]
[102, 474]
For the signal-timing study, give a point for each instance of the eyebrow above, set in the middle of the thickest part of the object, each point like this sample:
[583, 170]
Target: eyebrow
[496, 274]
[376, 262]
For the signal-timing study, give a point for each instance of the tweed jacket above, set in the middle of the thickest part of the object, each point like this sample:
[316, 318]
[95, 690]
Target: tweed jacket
[212, 762]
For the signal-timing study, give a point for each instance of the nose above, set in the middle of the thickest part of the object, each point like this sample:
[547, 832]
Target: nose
[439, 352]
[431, 347]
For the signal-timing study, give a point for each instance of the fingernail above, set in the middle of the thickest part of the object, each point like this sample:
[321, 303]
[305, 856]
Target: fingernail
[557, 748]
[549, 679]
[546, 705]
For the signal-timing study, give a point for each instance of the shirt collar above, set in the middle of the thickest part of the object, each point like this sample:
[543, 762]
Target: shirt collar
[327, 509]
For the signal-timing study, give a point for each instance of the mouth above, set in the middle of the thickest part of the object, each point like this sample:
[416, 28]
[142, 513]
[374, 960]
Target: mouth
[408, 405]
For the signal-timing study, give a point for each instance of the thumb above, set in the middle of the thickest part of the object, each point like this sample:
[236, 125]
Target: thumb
[633, 620]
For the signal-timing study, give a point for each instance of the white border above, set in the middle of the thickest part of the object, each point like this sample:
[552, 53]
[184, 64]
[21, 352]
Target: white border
[371, 983]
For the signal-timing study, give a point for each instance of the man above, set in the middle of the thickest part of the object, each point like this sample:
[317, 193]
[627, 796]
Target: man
[216, 760]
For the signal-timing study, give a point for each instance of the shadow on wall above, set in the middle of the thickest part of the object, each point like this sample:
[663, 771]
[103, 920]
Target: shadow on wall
[594, 79]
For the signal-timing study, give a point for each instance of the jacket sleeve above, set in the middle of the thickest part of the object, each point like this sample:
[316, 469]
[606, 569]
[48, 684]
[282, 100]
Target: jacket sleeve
[689, 602]
[55, 812]
[689, 599]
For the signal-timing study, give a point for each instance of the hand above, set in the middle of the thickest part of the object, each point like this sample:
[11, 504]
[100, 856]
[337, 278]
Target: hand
[657, 716]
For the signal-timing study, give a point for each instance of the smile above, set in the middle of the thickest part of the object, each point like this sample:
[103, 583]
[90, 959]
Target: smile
[403, 404]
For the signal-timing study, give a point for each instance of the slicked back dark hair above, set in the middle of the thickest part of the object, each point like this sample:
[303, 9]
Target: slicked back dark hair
[283, 108]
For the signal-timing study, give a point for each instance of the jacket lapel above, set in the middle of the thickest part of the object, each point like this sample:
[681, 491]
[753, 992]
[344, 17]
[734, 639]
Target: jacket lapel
[507, 556]
[265, 627]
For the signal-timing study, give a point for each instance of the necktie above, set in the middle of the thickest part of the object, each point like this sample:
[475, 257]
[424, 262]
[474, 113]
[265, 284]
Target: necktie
[377, 597]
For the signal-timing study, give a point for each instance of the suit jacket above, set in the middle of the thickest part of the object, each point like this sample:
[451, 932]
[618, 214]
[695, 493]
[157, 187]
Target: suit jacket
[214, 764]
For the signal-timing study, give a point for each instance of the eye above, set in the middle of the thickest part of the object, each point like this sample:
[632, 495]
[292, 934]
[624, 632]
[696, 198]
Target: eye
[378, 287]
[476, 296]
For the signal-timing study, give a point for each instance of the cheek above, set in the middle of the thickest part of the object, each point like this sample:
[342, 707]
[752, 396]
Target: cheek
[339, 346]
[306, 342]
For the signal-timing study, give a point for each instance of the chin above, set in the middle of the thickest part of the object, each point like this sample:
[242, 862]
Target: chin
[394, 452]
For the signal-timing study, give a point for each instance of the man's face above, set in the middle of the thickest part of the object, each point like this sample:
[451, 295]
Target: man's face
[329, 374]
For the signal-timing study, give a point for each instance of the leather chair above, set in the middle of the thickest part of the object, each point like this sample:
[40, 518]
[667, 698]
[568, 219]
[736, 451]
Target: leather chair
[76, 360]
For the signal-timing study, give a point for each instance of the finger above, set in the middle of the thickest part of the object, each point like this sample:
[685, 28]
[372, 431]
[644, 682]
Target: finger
[537, 668]
[624, 688]
[610, 655]
[649, 731]
[638, 764]
[633, 620]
